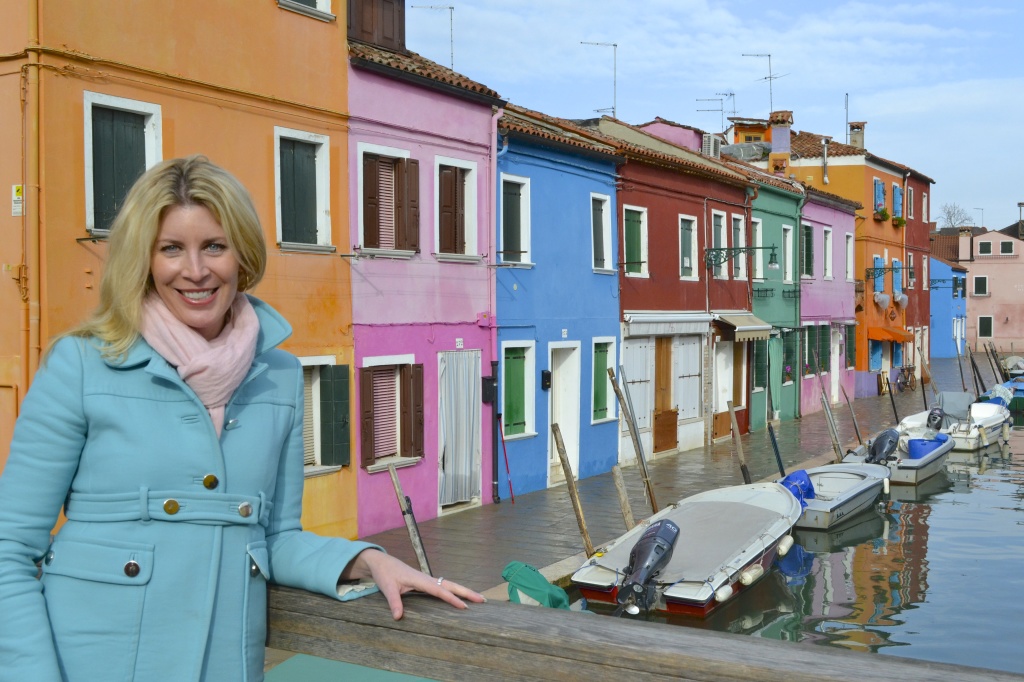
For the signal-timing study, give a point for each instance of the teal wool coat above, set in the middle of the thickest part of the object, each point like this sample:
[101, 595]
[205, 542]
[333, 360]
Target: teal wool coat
[161, 570]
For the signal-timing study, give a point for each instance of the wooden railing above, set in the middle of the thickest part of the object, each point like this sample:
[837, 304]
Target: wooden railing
[499, 641]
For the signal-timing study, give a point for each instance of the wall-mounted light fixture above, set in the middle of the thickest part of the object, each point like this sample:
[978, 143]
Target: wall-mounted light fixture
[713, 257]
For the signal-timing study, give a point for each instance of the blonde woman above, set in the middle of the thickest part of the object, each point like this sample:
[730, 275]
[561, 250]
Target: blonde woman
[169, 427]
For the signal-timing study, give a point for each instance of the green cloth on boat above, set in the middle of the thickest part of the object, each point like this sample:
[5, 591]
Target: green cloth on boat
[526, 585]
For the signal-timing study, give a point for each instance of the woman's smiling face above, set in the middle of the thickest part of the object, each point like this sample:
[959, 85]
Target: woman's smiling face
[194, 270]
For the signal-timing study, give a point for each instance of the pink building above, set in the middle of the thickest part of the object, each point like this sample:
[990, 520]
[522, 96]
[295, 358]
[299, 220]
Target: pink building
[995, 286]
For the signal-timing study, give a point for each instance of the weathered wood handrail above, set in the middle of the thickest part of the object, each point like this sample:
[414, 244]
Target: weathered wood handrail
[501, 641]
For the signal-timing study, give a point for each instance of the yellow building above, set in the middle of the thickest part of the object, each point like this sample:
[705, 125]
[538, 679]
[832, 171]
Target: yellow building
[92, 93]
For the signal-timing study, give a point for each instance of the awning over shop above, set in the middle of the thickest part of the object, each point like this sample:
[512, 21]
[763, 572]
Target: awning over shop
[889, 334]
[745, 326]
[656, 323]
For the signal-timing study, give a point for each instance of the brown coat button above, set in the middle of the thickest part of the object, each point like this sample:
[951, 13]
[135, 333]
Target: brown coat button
[171, 507]
[210, 481]
[245, 510]
[131, 569]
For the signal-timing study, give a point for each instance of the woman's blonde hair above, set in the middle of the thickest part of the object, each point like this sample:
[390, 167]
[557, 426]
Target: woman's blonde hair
[126, 279]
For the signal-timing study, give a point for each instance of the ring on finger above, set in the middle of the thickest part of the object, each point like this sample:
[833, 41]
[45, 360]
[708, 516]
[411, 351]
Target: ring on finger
[439, 581]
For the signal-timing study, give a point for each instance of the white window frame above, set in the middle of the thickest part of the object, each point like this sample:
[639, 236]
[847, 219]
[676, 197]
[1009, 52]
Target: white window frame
[787, 254]
[910, 202]
[910, 268]
[981, 251]
[826, 248]
[720, 271]
[694, 263]
[606, 233]
[323, 186]
[613, 414]
[1006, 253]
[739, 270]
[758, 229]
[322, 11]
[924, 206]
[362, 149]
[529, 386]
[526, 257]
[152, 140]
[849, 257]
[469, 208]
[991, 324]
[644, 270]
[974, 285]
[924, 273]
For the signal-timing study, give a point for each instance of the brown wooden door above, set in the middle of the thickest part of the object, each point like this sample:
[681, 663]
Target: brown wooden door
[665, 413]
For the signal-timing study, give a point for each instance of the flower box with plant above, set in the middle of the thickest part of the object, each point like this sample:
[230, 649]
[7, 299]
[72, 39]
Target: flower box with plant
[808, 370]
[899, 221]
[882, 214]
[787, 373]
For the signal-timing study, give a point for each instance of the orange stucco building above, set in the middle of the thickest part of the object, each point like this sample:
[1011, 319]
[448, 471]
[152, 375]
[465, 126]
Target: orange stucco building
[93, 92]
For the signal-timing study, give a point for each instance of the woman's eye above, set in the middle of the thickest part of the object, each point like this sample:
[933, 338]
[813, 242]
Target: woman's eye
[217, 247]
[169, 248]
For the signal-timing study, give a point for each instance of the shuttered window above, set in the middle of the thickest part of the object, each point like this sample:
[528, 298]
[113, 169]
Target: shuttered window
[807, 251]
[378, 22]
[634, 242]
[601, 360]
[687, 238]
[897, 277]
[874, 355]
[879, 195]
[897, 201]
[824, 348]
[514, 409]
[308, 418]
[760, 351]
[790, 355]
[739, 261]
[689, 363]
[325, 420]
[391, 412]
[298, 191]
[511, 221]
[879, 276]
[985, 327]
[391, 203]
[452, 204]
[851, 345]
[597, 208]
[118, 159]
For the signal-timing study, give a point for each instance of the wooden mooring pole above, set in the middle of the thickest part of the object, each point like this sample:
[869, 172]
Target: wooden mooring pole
[574, 494]
[627, 414]
[739, 444]
[410, 522]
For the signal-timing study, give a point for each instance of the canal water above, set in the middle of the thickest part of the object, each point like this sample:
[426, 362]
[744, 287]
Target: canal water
[935, 572]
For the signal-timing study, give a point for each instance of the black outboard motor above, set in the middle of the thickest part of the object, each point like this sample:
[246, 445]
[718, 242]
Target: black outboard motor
[649, 555]
[884, 445]
[936, 418]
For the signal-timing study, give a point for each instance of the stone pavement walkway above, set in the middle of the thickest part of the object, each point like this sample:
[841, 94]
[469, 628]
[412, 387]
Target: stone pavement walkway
[473, 546]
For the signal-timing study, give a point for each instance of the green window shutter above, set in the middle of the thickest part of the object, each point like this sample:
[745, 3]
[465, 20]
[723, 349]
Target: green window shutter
[789, 353]
[825, 348]
[633, 242]
[118, 159]
[985, 327]
[334, 415]
[807, 257]
[851, 345]
[511, 222]
[760, 364]
[514, 411]
[597, 224]
[298, 192]
[601, 381]
[686, 248]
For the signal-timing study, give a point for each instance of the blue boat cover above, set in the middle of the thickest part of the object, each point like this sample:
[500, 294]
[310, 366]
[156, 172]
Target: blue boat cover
[799, 483]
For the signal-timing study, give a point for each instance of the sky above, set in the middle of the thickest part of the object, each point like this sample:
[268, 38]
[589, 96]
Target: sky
[940, 84]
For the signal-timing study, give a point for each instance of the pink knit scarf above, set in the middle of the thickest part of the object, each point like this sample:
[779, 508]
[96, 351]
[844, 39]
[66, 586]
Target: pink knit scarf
[213, 369]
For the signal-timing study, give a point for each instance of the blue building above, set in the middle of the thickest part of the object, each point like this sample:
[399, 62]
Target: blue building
[557, 298]
[948, 284]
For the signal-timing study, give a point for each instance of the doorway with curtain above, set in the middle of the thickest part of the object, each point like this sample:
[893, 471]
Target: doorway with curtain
[459, 417]
[565, 410]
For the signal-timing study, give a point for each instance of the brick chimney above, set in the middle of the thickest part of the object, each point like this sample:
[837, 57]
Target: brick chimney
[857, 133]
[780, 123]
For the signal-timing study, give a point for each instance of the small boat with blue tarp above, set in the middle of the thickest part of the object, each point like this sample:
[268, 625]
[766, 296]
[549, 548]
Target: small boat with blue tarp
[835, 493]
[910, 460]
[972, 423]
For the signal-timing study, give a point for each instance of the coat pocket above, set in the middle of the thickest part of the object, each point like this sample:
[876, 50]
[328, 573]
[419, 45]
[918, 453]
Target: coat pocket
[95, 591]
[257, 572]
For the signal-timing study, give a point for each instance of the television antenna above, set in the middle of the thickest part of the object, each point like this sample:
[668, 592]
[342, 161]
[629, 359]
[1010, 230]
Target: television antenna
[720, 109]
[770, 77]
[615, 69]
[730, 95]
[451, 28]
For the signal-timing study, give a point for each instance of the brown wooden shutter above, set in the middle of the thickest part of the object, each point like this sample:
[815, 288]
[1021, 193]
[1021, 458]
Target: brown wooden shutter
[371, 202]
[417, 411]
[407, 417]
[460, 210]
[407, 205]
[360, 23]
[366, 416]
[447, 201]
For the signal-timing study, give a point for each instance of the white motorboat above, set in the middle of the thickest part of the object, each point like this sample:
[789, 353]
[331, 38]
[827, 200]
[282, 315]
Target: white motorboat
[972, 425]
[835, 493]
[920, 459]
[727, 537]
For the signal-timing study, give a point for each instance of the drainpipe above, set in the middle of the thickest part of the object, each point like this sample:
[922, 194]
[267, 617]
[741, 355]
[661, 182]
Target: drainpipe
[31, 346]
[492, 302]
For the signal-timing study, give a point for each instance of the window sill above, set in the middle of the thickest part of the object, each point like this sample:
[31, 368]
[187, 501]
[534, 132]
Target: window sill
[314, 470]
[974, 295]
[828, 278]
[688, 278]
[399, 462]
[520, 436]
[638, 275]
[299, 8]
[756, 390]
[514, 265]
[605, 271]
[606, 420]
[458, 258]
[306, 248]
[787, 383]
[384, 253]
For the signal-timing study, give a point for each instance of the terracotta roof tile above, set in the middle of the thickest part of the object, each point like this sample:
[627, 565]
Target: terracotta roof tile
[415, 64]
[762, 176]
[946, 247]
[536, 124]
[836, 199]
[808, 146]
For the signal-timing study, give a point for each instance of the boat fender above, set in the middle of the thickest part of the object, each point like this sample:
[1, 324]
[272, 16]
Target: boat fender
[784, 545]
[1006, 431]
[723, 593]
[983, 436]
[885, 486]
[750, 575]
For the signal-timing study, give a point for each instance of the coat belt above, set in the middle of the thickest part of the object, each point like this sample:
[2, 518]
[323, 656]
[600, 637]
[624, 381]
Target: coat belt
[170, 505]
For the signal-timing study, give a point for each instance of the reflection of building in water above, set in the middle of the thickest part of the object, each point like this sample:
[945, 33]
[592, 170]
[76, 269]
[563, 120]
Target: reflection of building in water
[863, 577]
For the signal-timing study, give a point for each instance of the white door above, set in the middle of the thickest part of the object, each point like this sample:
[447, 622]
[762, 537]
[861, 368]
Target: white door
[458, 428]
[835, 365]
[565, 410]
[723, 375]
[638, 389]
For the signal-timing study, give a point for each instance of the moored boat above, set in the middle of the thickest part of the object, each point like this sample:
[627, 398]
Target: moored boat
[726, 542]
[834, 493]
[910, 460]
[970, 423]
